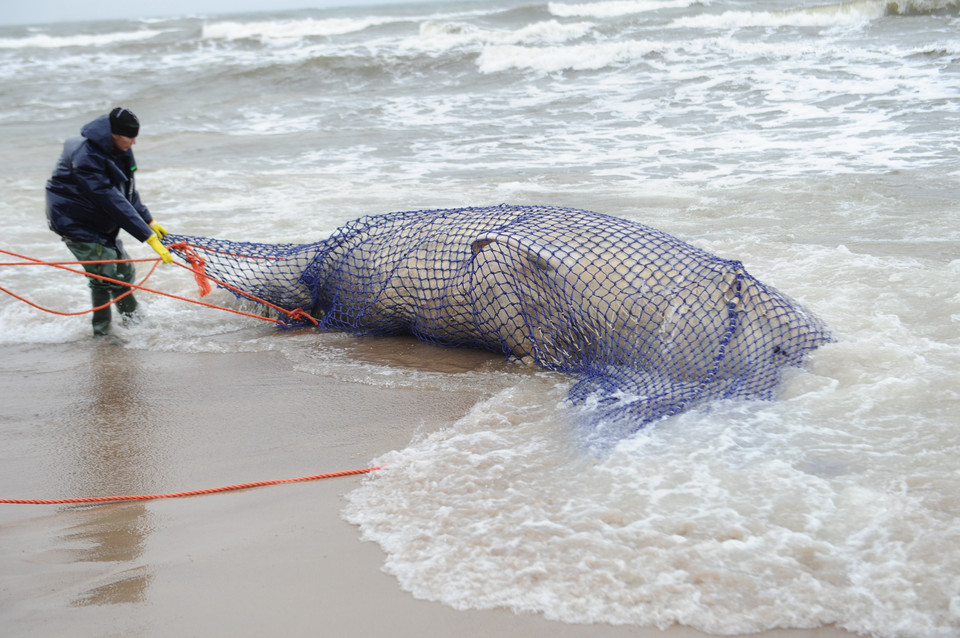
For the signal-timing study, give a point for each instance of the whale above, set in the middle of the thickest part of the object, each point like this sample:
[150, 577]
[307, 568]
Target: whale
[649, 324]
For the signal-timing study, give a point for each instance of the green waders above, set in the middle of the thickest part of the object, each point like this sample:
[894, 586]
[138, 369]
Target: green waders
[103, 292]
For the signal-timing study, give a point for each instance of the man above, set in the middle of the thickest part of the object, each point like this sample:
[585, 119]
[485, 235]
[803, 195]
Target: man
[91, 196]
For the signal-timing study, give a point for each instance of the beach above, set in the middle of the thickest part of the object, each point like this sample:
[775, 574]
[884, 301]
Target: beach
[276, 560]
[809, 142]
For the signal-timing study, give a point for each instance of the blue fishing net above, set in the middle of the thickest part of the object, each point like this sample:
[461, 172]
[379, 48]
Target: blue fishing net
[649, 324]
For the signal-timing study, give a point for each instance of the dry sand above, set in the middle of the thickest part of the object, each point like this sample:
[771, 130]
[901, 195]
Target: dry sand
[90, 419]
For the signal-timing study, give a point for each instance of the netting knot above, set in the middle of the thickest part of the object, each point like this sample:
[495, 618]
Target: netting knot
[297, 317]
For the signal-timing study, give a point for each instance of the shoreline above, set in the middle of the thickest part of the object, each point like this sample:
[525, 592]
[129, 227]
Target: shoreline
[89, 419]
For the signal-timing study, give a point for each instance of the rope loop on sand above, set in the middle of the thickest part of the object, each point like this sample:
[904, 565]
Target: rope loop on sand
[150, 497]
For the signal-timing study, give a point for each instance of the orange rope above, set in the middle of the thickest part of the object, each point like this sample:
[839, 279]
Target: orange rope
[148, 497]
[68, 263]
[59, 264]
[196, 266]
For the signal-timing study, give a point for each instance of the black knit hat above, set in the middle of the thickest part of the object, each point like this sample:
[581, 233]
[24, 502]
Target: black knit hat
[124, 122]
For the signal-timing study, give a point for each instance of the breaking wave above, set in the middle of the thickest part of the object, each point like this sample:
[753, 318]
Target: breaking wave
[828, 15]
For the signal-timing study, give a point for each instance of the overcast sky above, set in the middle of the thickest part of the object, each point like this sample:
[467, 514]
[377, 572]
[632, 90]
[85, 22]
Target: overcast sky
[42, 11]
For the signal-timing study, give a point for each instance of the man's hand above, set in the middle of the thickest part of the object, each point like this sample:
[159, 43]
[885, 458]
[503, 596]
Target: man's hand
[165, 255]
[158, 229]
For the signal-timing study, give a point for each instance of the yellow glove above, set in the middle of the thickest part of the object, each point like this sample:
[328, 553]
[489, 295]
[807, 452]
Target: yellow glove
[165, 255]
[158, 229]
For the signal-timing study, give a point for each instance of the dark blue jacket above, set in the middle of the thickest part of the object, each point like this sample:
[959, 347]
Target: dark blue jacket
[91, 194]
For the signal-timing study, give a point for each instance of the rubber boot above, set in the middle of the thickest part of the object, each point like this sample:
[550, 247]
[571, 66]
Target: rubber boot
[101, 318]
[127, 307]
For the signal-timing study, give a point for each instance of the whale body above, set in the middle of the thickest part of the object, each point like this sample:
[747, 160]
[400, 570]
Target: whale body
[649, 324]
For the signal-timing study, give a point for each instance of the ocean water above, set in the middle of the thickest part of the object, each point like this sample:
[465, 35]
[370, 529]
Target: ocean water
[817, 143]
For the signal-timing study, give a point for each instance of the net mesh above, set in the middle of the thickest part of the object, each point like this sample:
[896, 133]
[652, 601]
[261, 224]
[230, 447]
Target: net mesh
[649, 324]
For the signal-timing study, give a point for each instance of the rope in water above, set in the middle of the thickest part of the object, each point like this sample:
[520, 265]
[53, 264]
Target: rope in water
[149, 497]
[196, 263]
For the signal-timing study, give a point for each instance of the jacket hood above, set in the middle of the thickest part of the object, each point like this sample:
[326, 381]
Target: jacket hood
[98, 132]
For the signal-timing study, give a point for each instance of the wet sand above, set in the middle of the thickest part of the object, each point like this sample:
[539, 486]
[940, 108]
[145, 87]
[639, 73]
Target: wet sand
[90, 419]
